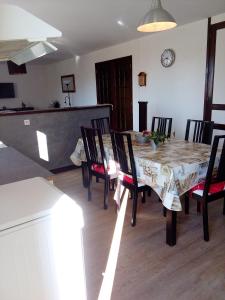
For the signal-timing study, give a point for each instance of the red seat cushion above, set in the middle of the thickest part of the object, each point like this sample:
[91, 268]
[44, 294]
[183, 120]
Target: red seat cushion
[128, 179]
[214, 187]
[99, 168]
[111, 171]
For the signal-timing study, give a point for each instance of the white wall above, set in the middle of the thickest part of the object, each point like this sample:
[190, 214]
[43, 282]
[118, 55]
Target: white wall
[31, 88]
[54, 72]
[176, 92]
[39, 86]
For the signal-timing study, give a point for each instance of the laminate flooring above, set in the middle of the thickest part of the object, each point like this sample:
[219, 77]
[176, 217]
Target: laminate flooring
[147, 268]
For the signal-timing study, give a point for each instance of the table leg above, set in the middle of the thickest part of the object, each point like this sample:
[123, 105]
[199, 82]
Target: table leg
[171, 222]
[85, 174]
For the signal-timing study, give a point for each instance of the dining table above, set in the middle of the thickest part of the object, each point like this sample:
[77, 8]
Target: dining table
[171, 170]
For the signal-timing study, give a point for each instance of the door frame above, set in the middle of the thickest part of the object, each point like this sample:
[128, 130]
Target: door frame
[209, 106]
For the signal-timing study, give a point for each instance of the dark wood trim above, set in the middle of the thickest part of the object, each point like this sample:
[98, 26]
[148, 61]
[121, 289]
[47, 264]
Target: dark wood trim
[219, 126]
[55, 110]
[218, 26]
[218, 106]
[114, 86]
[142, 115]
[64, 169]
[205, 115]
[210, 71]
[114, 59]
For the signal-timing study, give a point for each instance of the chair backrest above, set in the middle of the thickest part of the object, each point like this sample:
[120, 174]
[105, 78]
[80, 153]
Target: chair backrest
[162, 125]
[217, 174]
[102, 123]
[123, 154]
[202, 131]
[93, 146]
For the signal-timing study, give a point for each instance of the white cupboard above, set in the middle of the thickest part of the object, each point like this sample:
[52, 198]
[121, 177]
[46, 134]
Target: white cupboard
[41, 249]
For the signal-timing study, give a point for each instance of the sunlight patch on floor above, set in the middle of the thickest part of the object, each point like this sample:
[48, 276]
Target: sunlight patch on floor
[109, 275]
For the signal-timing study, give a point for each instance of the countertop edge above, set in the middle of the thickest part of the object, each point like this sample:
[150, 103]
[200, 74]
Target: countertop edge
[53, 110]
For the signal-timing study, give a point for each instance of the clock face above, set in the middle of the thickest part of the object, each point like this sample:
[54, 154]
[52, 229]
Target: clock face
[167, 58]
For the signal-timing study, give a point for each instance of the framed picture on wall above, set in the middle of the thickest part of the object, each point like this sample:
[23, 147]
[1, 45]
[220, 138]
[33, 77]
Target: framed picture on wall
[68, 84]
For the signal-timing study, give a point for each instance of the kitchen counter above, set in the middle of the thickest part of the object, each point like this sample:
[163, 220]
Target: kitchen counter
[48, 136]
[12, 112]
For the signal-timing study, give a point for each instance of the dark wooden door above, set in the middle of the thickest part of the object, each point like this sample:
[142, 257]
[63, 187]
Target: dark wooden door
[114, 86]
[214, 108]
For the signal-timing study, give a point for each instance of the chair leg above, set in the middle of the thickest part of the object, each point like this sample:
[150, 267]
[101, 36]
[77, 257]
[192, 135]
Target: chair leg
[143, 198]
[89, 186]
[97, 179]
[186, 204]
[149, 192]
[85, 174]
[106, 193]
[164, 211]
[134, 208]
[112, 185]
[224, 206]
[198, 207]
[205, 221]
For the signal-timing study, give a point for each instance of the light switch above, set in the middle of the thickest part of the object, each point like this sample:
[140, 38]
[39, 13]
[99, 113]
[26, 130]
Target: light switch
[26, 122]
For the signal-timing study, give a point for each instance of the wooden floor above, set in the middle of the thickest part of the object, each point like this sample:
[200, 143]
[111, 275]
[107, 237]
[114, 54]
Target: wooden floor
[148, 268]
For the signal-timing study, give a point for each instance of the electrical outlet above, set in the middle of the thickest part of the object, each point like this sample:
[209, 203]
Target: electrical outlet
[26, 122]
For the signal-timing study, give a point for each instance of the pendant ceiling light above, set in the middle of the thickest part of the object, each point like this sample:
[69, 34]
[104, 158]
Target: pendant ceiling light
[157, 19]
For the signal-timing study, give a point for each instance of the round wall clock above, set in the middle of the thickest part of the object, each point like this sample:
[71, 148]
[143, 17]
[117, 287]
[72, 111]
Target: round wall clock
[167, 58]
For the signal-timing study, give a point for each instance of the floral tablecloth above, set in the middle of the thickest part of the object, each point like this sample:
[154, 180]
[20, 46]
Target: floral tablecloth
[171, 170]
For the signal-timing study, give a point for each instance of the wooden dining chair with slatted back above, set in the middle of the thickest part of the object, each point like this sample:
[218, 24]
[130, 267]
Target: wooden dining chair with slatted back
[101, 123]
[202, 131]
[162, 125]
[124, 156]
[198, 131]
[213, 188]
[96, 161]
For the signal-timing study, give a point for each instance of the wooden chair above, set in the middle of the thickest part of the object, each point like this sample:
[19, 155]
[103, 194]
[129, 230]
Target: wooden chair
[162, 125]
[96, 160]
[102, 123]
[202, 131]
[213, 188]
[123, 155]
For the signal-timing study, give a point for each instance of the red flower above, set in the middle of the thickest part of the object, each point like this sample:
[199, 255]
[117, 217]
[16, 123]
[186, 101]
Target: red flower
[146, 132]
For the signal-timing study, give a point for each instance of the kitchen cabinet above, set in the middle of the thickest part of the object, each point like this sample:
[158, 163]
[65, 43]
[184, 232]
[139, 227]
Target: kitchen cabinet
[41, 251]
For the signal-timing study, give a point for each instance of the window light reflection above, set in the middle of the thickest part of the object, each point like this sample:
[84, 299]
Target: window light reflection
[42, 145]
[67, 224]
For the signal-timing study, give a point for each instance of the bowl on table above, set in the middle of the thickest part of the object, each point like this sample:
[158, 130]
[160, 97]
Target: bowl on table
[141, 139]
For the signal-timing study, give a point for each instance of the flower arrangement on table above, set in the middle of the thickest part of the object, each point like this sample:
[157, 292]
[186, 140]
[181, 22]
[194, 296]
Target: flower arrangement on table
[155, 136]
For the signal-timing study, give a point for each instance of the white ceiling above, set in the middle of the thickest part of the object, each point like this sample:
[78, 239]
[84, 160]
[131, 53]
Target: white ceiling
[88, 25]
